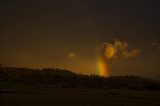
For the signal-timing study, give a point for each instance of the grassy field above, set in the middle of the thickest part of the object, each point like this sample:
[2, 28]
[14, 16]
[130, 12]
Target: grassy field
[81, 97]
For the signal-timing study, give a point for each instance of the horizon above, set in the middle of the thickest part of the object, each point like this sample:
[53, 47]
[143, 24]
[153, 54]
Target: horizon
[61, 69]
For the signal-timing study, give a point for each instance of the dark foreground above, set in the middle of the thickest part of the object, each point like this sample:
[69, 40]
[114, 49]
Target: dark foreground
[50, 97]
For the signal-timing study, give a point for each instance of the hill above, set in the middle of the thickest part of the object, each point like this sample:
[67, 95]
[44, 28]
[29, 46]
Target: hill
[11, 77]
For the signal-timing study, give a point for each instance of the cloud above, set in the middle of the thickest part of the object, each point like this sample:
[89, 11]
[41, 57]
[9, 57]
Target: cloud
[130, 54]
[119, 50]
[155, 45]
[72, 55]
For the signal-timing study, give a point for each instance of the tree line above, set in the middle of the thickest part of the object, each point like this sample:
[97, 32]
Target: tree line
[58, 78]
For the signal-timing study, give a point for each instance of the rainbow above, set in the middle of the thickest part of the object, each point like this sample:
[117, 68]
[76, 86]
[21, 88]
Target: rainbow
[102, 65]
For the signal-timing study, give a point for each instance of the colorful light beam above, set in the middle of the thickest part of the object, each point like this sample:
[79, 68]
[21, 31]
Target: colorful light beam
[103, 66]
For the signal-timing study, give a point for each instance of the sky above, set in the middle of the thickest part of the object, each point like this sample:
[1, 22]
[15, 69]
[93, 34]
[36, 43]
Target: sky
[70, 34]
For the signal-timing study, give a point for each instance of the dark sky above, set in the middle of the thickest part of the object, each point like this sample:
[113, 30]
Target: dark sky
[66, 34]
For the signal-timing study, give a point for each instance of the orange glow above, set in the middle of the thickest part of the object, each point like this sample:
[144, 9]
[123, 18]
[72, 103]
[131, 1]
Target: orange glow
[103, 66]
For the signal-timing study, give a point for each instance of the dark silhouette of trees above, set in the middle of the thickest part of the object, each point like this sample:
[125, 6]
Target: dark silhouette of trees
[57, 78]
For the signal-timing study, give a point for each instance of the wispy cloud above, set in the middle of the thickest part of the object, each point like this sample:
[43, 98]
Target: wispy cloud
[155, 45]
[72, 55]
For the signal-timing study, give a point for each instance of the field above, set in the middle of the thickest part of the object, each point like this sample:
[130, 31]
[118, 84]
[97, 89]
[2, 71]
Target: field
[75, 97]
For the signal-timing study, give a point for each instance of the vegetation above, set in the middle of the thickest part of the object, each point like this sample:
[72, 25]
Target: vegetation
[56, 78]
